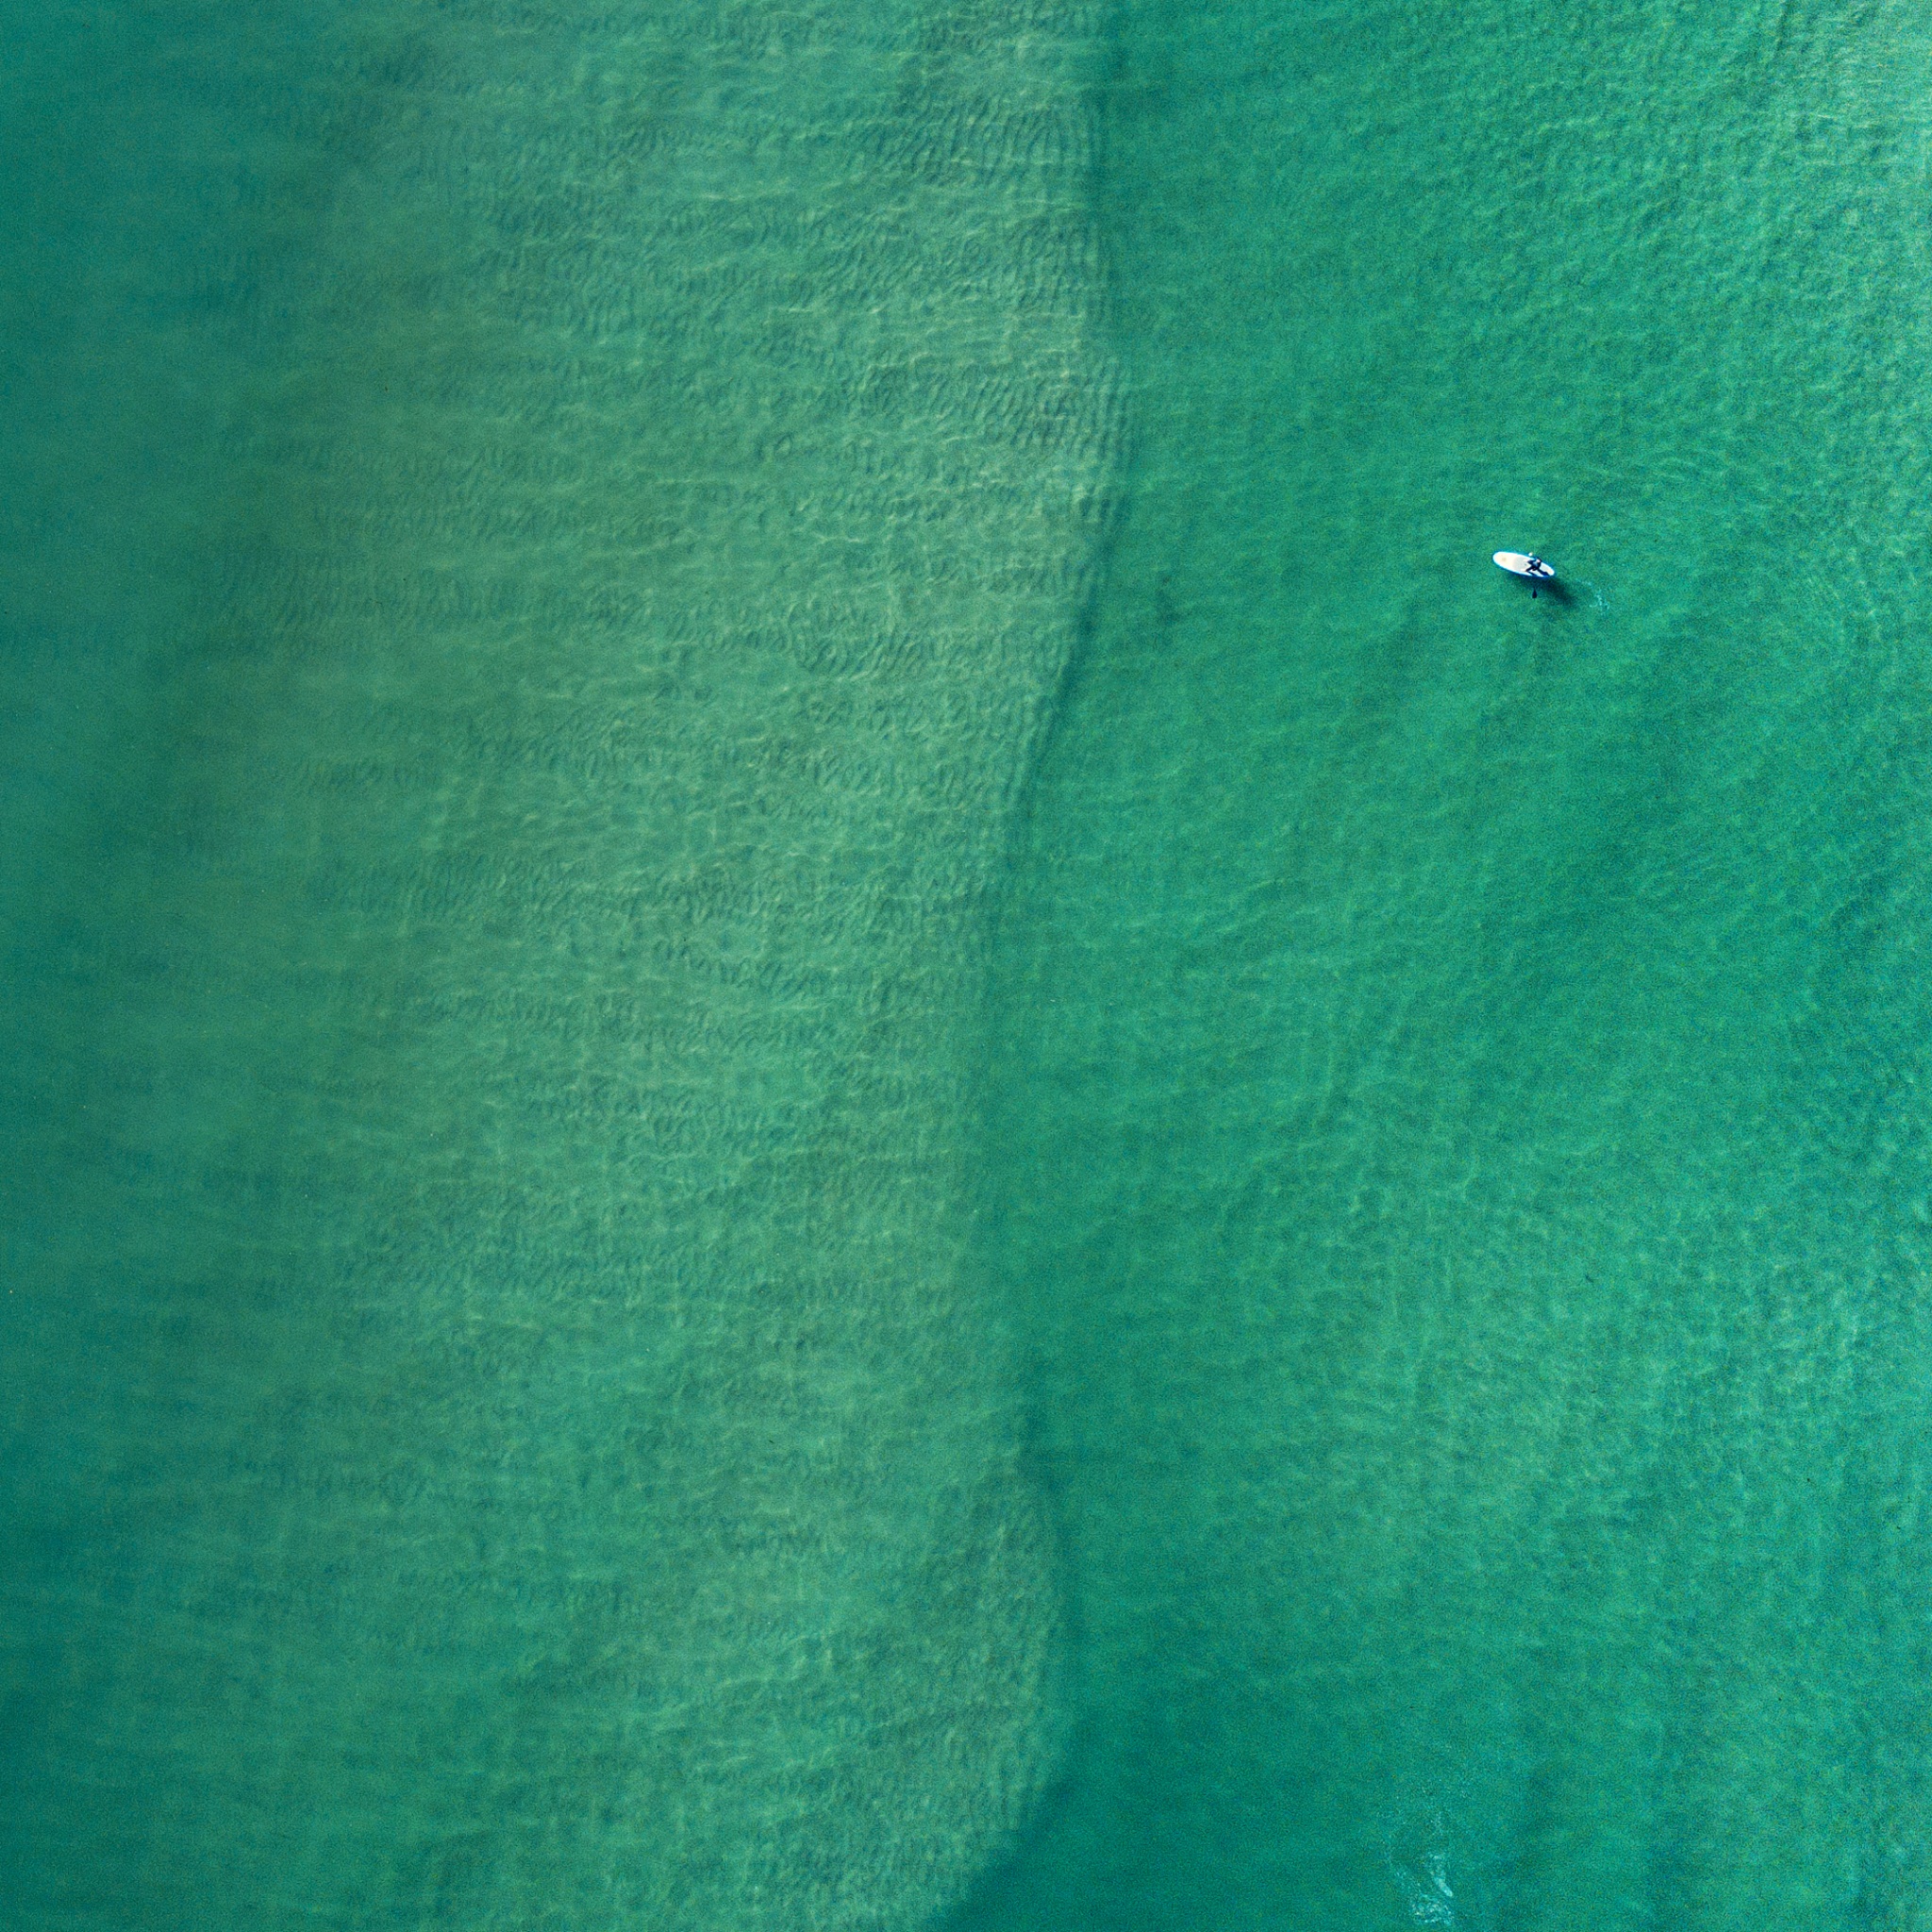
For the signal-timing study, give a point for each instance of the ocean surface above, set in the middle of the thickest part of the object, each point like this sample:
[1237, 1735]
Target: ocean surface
[843, 1094]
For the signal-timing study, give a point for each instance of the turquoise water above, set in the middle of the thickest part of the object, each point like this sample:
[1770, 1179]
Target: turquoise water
[846, 1095]
[543, 541]
[1461, 1057]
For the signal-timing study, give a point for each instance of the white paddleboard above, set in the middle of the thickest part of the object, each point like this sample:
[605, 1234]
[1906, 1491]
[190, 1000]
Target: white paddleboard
[1520, 565]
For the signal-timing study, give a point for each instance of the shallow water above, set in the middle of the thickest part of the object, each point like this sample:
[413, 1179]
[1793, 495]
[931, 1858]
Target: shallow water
[803, 1140]
[547, 536]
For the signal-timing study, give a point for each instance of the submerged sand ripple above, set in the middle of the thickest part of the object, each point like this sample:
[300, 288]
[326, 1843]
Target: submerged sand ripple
[575, 1476]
